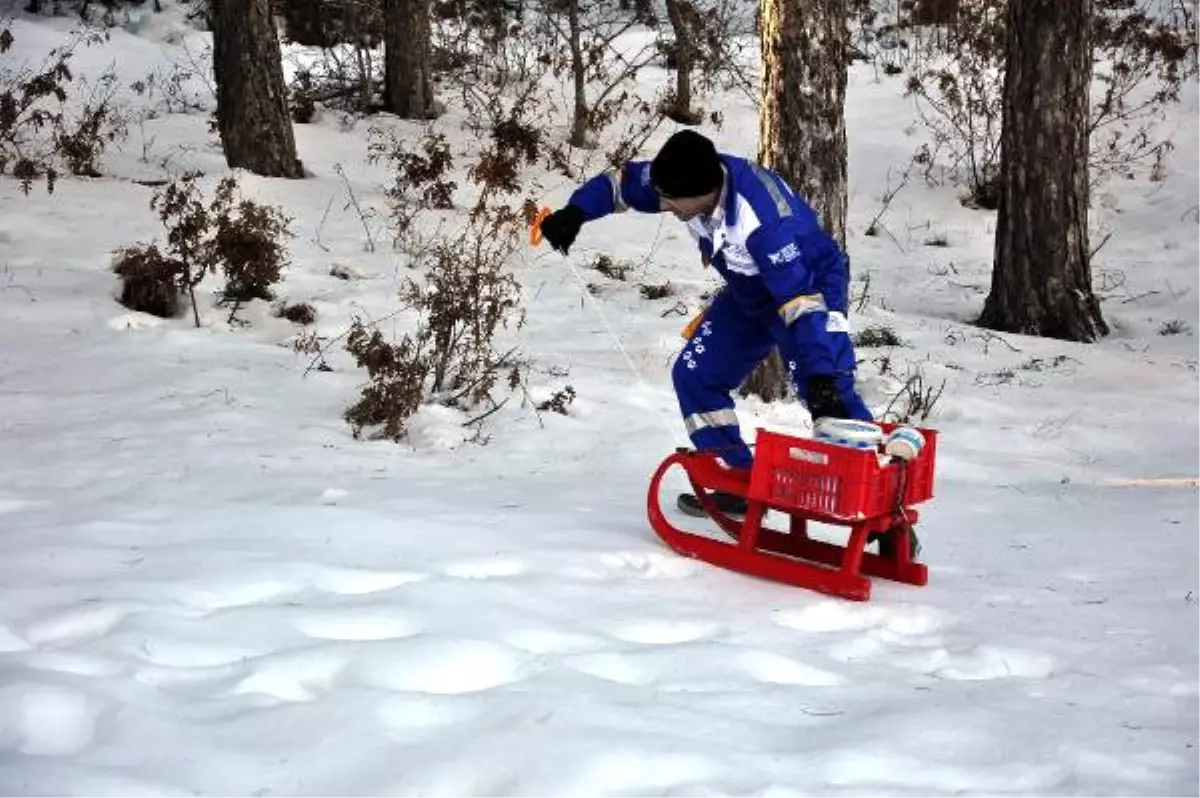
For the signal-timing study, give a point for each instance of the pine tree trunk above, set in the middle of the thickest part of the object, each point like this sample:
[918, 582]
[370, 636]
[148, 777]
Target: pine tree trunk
[252, 114]
[683, 62]
[408, 91]
[579, 116]
[802, 129]
[1041, 279]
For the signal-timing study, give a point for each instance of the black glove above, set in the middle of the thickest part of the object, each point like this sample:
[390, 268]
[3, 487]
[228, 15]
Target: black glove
[561, 227]
[824, 398]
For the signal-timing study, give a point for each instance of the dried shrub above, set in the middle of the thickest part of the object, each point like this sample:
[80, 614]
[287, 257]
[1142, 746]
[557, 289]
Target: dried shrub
[248, 242]
[611, 269]
[347, 72]
[301, 104]
[1174, 327]
[39, 131]
[238, 236]
[149, 280]
[514, 142]
[420, 178]
[1144, 52]
[915, 401]
[878, 335]
[466, 298]
[299, 313]
[959, 96]
[559, 401]
[396, 387]
[656, 291]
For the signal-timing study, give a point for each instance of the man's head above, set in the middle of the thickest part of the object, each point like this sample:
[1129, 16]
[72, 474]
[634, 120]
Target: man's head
[687, 175]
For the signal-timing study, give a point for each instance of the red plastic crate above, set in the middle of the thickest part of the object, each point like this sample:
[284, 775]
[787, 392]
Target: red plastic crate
[837, 482]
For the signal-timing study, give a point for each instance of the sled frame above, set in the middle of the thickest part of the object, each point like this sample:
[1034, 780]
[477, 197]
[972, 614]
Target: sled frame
[791, 556]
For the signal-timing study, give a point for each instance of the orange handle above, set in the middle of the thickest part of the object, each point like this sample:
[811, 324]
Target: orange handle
[535, 231]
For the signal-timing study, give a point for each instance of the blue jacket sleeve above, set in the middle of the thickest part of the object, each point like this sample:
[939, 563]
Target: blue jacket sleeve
[616, 190]
[779, 254]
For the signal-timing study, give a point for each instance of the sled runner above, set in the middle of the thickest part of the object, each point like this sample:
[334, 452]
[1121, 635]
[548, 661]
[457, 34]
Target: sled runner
[807, 480]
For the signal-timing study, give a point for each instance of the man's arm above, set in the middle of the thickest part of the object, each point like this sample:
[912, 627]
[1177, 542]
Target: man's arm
[617, 190]
[776, 251]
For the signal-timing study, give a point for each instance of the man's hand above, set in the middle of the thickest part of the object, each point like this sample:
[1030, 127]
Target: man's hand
[561, 227]
[824, 398]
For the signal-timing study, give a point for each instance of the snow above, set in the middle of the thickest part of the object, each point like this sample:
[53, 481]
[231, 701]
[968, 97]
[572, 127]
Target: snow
[208, 586]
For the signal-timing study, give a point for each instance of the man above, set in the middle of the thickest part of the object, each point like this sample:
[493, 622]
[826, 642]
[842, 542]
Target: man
[786, 286]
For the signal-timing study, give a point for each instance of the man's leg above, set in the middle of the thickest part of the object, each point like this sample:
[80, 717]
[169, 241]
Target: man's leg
[720, 355]
[856, 408]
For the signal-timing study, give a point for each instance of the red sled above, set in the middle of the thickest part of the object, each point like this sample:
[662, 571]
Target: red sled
[807, 480]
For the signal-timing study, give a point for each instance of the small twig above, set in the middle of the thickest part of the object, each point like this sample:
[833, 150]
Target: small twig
[988, 337]
[477, 419]
[679, 309]
[317, 239]
[358, 209]
[1136, 297]
[1103, 241]
[320, 355]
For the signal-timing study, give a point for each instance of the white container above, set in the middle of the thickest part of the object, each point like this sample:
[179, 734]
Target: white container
[849, 432]
[905, 443]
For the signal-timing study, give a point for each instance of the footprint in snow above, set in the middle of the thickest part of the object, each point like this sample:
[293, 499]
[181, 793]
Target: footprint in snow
[10, 641]
[295, 676]
[652, 632]
[834, 616]
[441, 666]
[486, 569]
[982, 663]
[411, 718]
[637, 565]
[773, 668]
[358, 624]
[552, 641]
[83, 621]
[9, 504]
[360, 581]
[45, 719]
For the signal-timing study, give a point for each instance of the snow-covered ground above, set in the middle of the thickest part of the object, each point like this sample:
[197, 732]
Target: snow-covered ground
[207, 586]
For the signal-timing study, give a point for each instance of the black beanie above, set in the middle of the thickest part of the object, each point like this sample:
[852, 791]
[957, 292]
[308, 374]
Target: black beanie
[686, 166]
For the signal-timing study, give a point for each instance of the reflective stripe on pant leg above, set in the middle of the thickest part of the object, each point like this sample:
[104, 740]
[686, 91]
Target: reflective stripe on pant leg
[719, 356]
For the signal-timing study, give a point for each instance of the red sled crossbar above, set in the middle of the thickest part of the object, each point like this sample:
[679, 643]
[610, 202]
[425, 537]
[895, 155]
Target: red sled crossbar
[807, 480]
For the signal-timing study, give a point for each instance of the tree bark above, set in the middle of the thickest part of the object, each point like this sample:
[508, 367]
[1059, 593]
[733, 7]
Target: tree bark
[802, 129]
[1041, 278]
[579, 116]
[408, 82]
[252, 113]
[684, 50]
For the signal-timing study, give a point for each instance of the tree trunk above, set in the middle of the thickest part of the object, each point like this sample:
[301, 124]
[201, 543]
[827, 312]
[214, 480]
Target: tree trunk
[684, 50]
[408, 91]
[1041, 279]
[802, 129]
[252, 113]
[579, 117]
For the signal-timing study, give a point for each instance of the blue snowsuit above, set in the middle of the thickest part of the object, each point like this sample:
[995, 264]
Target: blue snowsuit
[786, 286]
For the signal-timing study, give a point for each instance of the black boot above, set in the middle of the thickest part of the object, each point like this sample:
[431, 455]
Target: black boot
[889, 539]
[728, 503]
